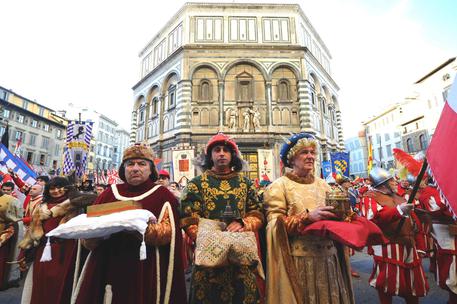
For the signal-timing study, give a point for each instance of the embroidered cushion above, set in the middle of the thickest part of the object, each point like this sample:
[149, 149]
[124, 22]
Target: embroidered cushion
[217, 248]
[83, 227]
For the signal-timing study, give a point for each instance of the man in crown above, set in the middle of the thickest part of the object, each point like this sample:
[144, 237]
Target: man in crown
[115, 273]
[302, 268]
[221, 193]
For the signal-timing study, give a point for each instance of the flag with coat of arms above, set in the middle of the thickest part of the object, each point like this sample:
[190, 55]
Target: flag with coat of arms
[340, 163]
[79, 134]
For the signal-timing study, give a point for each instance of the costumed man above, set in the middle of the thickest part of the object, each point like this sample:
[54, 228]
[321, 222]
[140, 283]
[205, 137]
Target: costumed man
[114, 263]
[397, 267]
[164, 180]
[218, 189]
[302, 268]
[10, 214]
[33, 194]
[444, 235]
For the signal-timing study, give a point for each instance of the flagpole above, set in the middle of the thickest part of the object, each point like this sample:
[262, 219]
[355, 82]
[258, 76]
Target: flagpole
[412, 196]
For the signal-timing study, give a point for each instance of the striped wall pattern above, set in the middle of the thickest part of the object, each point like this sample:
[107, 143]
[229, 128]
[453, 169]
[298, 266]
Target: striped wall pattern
[133, 127]
[183, 107]
[340, 128]
[305, 107]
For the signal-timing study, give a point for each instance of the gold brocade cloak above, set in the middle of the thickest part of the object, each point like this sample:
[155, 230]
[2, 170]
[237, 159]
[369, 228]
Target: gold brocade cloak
[292, 260]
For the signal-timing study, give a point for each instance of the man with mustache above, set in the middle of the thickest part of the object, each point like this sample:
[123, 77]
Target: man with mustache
[219, 189]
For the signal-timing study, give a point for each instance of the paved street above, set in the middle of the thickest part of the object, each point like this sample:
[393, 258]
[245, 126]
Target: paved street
[364, 294]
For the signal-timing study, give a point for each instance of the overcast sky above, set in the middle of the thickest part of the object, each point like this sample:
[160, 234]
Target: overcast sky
[85, 52]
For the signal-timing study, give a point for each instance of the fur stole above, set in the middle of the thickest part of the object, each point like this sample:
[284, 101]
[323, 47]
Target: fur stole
[67, 210]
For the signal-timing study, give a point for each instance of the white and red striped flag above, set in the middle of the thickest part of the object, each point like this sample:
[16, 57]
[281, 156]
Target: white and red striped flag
[441, 152]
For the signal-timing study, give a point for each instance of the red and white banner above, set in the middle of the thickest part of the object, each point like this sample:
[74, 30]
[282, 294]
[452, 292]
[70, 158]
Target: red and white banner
[441, 153]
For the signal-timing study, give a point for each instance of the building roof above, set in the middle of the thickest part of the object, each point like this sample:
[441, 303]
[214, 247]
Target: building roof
[450, 60]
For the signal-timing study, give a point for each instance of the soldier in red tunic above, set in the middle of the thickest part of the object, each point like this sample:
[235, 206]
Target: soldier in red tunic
[444, 234]
[397, 267]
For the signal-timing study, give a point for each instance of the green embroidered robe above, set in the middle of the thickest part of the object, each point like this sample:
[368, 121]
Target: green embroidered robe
[207, 196]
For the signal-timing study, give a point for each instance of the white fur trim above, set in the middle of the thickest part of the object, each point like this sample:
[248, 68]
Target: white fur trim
[171, 260]
[134, 198]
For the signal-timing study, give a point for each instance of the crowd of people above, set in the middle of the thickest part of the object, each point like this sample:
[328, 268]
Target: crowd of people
[243, 241]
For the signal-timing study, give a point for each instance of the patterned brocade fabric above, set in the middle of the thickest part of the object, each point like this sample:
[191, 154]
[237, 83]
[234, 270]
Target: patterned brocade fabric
[207, 196]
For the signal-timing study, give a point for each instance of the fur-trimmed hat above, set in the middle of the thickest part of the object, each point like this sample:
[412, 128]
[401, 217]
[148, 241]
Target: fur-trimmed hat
[221, 139]
[295, 143]
[138, 151]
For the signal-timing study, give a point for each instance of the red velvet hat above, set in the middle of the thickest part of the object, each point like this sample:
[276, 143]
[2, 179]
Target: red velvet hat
[221, 139]
[164, 173]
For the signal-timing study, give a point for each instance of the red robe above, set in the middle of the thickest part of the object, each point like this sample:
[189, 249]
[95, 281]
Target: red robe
[53, 280]
[116, 260]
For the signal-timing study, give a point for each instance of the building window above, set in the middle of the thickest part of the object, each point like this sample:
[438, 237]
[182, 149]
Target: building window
[20, 118]
[32, 139]
[141, 115]
[34, 123]
[155, 106]
[209, 29]
[42, 159]
[160, 52]
[243, 29]
[46, 127]
[409, 145]
[205, 90]
[171, 96]
[423, 141]
[389, 150]
[386, 136]
[45, 143]
[30, 157]
[283, 90]
[6, 113]
[323, 105]
[41, 111]
[57, 150]
[276, 29]
[25, 104]
[18, 135]
[174, 39]
[59, 133]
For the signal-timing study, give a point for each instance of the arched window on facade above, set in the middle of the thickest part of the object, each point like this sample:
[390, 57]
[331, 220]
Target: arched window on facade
[283, 90]
[205, 90]
[423, 141]
[323, 106]
[171, 96]
[409, 145]
[155, 106]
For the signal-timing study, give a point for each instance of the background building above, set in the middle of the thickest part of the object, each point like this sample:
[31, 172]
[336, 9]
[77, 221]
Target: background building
[410, 124]
[39, 129]
[108, 137]
[255, 72]
[358, 159]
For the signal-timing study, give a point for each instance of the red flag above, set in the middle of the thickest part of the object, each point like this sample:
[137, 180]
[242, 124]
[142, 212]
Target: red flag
[442, 149]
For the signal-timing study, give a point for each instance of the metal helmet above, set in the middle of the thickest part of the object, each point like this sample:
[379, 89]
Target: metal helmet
[411, 179]
[379, 176]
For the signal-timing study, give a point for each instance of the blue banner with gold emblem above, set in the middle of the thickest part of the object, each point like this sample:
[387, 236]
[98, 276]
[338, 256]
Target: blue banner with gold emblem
[340, 163]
